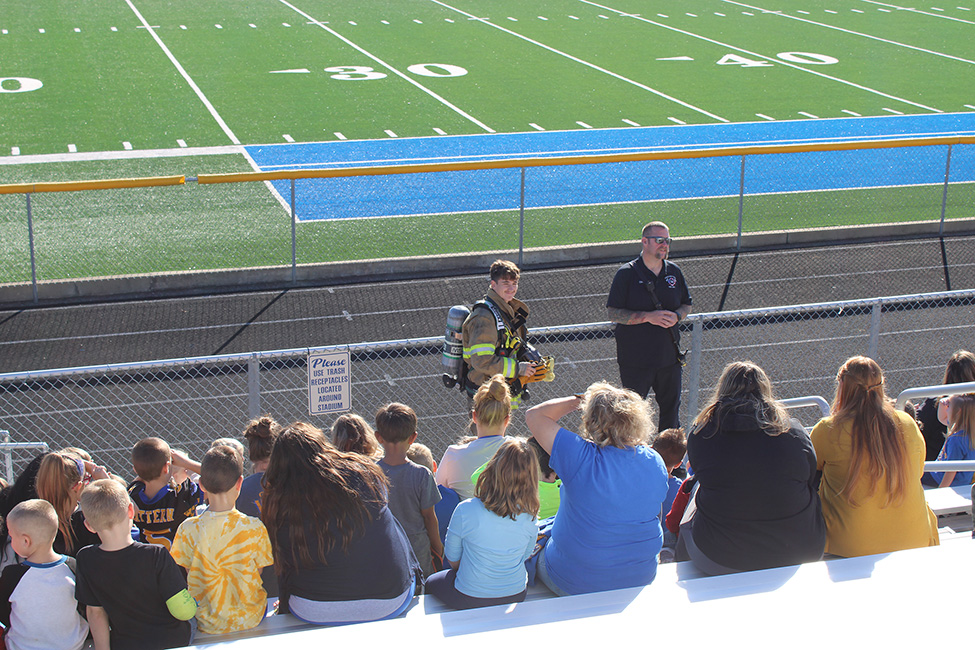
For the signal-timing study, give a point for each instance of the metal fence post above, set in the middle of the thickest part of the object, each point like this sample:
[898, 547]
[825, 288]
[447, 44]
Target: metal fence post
[33, 260]
[875, 317]
[521, 227]
[294, 243]
[694, 367]
[741, 202]
[8, 454]
[254, 386]
[944, 194]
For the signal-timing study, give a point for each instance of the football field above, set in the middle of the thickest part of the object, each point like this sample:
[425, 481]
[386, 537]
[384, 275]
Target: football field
[114, 88]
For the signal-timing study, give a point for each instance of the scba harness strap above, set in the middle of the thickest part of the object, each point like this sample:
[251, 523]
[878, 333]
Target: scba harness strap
[509, 345]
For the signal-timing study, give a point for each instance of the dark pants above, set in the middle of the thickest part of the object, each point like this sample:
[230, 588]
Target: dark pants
[665, 383]
[441, 585]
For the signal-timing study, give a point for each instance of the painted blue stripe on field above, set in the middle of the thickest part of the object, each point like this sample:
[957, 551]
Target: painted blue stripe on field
[626, 182]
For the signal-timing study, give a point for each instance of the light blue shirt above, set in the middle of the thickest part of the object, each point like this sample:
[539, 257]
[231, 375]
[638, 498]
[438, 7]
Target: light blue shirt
[491, 550]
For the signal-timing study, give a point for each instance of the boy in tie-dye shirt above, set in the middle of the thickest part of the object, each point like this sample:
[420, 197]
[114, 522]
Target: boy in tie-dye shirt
[224, 550]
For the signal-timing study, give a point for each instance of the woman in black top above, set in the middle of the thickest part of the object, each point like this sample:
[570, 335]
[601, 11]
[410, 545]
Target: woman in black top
[756, 504]
[960, 369]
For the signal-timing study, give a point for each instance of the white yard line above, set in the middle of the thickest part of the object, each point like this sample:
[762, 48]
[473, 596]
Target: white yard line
[918, 11]
[762, 56]
[581, 61]
[869, 36]
[125, 155]
[185, 75]
[389, 67]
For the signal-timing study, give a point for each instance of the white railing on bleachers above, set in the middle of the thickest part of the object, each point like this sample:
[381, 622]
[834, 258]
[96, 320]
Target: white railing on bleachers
[8, 448]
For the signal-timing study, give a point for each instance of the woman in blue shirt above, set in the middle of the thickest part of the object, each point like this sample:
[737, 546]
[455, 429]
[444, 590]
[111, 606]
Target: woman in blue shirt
[607, 532]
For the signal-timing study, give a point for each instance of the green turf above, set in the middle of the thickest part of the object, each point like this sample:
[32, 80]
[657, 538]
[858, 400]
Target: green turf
[550, 64]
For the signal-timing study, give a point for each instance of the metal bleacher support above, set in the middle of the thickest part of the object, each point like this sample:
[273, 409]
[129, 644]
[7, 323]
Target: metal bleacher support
[7, 448]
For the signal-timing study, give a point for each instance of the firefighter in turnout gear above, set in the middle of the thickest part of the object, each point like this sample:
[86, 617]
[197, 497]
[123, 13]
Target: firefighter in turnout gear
[495, 333]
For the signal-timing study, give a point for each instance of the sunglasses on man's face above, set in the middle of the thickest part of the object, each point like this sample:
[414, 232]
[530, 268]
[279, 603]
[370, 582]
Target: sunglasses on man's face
[661, 240]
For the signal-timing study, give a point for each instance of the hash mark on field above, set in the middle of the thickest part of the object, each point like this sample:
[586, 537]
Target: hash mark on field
[219, 26]
[5, 32]
[542, 18]
[390, 133]
[287, 138]
[574, 17]
[857, 11]
[809, 115]
[800, 11]
[886, 11]
[604, 17]
[384, 22]
[717, 13]
[692, 15]
[252, 25]
[663, 15]
[963, 8]
[14, 151]
[829, 11]
[41, 30]
[854, 114]
[936, 9]
[181, 143]
[339, 136]
[970, 106]
[765, 117]
[676, 121]
[285, 25]
[127, 146]
[447, 20]
[746, 13]
[77, 30]
[584, 125]
[439, 131]
[114, 29]
[892, 111]
[512, 19]
[182, 26]
[418, 21]
[352, 22]
[535, 126]
[630, 122]
[72, 148]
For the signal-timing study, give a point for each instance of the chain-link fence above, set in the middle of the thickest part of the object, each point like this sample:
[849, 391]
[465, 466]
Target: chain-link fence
[190, 402]
[246, 221]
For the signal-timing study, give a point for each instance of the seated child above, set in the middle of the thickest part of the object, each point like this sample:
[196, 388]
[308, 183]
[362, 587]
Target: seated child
[548, 482]
[224, 550]
[413, 491]
[671, 444]
[161, 504]
[135, 593]
[491, 535]
[958, 414]
[351, 432]
[37, 603]
[420, 454]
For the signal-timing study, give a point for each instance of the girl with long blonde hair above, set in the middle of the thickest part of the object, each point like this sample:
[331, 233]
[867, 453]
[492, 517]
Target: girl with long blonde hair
[872, 459]
[60, 480]
[491, 535]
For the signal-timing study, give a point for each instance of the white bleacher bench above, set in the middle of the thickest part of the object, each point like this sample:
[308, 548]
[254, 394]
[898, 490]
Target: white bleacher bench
[871, 601]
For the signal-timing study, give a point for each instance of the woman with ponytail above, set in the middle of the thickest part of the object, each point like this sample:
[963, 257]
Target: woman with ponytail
[491, 415]
[872, 459]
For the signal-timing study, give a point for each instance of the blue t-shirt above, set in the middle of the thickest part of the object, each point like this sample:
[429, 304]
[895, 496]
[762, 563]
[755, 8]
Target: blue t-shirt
[607, 532]
[957, 447]
[491, 550]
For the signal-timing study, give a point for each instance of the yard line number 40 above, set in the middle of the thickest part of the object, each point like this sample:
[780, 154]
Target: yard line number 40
[805, 58]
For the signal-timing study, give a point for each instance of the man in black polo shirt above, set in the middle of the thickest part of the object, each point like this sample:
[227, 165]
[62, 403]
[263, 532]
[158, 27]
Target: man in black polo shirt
[647, 338]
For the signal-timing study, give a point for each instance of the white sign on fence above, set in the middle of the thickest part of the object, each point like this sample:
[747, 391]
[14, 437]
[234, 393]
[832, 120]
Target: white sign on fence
[329, 382]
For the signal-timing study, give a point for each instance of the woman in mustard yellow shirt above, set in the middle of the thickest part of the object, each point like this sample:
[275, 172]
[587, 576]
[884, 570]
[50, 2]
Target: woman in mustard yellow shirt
[872, 459]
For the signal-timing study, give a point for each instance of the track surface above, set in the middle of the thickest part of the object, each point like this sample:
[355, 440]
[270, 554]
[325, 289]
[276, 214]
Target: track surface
[173, 328]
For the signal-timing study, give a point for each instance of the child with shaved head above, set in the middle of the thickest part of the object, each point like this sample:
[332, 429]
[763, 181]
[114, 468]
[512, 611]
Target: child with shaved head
[37, 602]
